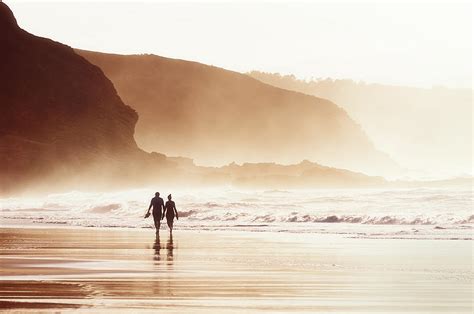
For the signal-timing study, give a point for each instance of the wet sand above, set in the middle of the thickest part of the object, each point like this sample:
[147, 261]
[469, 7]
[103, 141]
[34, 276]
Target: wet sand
[112, 270]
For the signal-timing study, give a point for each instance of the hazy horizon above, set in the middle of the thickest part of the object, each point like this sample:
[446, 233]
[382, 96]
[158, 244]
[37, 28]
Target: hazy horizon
[419, 45]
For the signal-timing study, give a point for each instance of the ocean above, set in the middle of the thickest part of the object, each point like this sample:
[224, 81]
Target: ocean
[376, 213]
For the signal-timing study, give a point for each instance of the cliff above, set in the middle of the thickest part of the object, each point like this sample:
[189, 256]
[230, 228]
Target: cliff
[216, 116]
[60, 117]
[63, 126]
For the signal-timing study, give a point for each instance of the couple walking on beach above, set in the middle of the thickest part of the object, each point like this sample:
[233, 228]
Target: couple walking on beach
[162, 210]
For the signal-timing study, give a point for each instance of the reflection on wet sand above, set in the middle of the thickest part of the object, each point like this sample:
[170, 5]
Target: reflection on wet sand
[104, 270]
[169, 249]
[157, 248]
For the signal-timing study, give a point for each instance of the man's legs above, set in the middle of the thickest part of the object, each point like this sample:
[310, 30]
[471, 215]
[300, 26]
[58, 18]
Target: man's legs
[157, 223]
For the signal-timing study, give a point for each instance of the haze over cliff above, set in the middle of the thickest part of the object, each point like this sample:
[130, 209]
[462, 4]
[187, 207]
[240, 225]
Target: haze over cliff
[421, 128]
[216, 116]
[63, 126]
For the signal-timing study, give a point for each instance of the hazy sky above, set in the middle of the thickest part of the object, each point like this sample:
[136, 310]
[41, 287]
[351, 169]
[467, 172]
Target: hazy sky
[403, 42]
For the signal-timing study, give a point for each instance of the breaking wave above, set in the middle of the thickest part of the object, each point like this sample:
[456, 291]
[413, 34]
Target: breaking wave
[294, 211]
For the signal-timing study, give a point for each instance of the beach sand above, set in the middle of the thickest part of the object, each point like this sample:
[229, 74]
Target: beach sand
[121, 270]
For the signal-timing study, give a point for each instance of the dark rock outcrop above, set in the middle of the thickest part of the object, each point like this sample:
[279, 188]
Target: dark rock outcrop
[59, 114]
[302, 175]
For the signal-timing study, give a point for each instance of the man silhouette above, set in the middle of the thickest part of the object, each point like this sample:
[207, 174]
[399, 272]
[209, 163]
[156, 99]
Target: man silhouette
[158, 210]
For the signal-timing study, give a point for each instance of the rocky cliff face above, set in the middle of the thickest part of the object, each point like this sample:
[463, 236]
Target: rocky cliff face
[59, 114]
[63, 125]
[217, 116]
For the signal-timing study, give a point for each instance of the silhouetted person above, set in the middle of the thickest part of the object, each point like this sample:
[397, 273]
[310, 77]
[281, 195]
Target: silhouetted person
[170, 213]
[158, 210]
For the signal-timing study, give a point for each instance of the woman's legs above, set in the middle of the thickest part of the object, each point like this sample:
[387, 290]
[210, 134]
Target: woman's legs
[170, 224]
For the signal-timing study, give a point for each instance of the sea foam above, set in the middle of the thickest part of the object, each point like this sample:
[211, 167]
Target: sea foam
[446, 213]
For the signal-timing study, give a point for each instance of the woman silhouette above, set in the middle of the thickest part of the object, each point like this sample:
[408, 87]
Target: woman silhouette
[170, 212]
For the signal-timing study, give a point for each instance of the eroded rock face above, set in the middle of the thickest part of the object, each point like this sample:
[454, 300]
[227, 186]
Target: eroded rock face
[58, 112]
[216, 116]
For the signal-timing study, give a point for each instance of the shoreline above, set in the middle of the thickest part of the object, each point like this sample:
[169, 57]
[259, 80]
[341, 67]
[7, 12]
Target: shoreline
[229, 272]
[326, 231]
